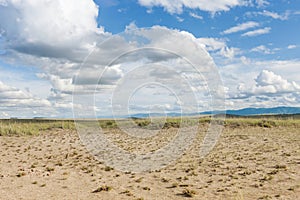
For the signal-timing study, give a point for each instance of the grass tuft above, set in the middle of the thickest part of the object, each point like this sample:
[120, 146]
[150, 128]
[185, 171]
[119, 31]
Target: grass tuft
[102, 188]
[188, 193]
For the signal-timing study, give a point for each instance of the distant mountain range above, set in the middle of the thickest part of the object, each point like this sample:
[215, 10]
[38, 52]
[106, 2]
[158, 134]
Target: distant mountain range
[265, 111]
[240, 112]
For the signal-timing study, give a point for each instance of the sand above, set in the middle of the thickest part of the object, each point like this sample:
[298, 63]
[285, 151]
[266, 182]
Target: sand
[247, 163]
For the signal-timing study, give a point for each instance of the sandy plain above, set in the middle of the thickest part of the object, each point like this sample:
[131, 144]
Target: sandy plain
[248, 162]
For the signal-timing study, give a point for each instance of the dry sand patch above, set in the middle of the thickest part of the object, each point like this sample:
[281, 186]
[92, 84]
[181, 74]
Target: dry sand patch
[247, 163]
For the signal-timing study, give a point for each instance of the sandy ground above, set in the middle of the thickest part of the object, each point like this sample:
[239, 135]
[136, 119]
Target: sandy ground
[247, 163]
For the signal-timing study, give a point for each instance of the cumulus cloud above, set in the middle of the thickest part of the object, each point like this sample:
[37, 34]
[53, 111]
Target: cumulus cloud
[49, 21]
[248, 69]
[59, 53]
[11, 97]
[266, 78]
[250, 86]
[183, 43]
[64, 85]
[257, 32]
[58, 28]
[107, 76]
[17, 103]
[269, 84]
[161, 47]
[241, 27]
[54, 36]
[176, 6]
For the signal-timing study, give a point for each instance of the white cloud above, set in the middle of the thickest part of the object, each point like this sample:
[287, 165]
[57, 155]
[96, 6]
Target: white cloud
[179, 19]
[181, 42]
[229, 52]
[262, 3]
[34, 44]
[262, 49]
[107, 76]
[241, 27]
[257, 32]
[275, 15]
[64, 85]
[54, 36]
[269, 78]
[61, 70]
[62, 36]
[292, 46]
[17, 103]
[220, 47]
[269, 86]
[196, 16]
[15, 98]
[60, 57]
[213, 44]
[176, 6]
[50, 28]
[248, 69]
[286, 68]
[53, 22]
[131, 26]
[250, 86]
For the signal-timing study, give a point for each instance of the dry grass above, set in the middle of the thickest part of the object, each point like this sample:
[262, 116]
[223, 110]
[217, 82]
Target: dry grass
[34, 127]
[103, 188]
[188, 193]
[262, 122]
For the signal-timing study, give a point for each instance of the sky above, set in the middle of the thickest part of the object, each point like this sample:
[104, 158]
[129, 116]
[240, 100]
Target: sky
[83, 58]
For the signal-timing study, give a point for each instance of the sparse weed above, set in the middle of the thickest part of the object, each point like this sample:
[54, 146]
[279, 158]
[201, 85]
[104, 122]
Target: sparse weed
[174, 185]
[20, 174]
[188, 193]
[146, 188]
[102, 188]
[49, 169]
[107, 169]
[127, 192]
[139, 180]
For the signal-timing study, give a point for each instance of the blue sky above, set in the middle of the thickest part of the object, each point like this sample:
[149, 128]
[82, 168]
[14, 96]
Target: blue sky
[117, 15]
[255, 45]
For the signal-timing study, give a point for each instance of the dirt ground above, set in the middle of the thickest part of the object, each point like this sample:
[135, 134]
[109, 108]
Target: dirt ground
[247, 163]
